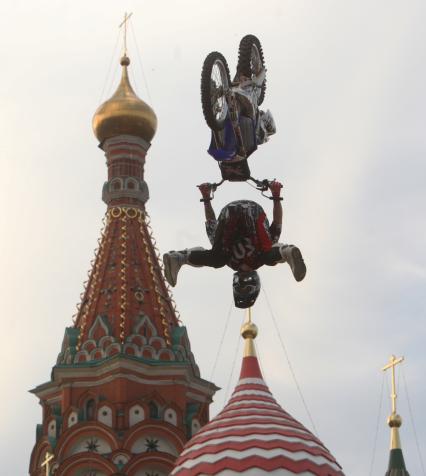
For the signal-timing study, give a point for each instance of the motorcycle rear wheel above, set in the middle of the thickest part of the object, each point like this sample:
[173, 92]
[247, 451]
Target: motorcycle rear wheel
[215, 82]
[251, 61]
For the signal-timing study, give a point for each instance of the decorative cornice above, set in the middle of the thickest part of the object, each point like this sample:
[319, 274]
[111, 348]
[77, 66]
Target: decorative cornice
[120, 366]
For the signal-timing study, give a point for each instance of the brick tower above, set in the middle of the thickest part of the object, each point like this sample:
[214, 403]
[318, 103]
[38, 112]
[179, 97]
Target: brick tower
[125, 394]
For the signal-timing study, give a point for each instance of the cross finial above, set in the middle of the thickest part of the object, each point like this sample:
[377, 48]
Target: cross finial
[393, 362]
[47, 459]
[124, 24]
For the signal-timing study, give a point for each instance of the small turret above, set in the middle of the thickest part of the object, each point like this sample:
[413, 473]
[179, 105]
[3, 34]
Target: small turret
[396, 465]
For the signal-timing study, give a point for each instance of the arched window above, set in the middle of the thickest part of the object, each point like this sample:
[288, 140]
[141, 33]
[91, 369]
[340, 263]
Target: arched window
[116, 184]
[153, 410]
[90, 409]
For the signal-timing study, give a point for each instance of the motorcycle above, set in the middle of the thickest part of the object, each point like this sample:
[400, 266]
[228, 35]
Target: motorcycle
[231, 109]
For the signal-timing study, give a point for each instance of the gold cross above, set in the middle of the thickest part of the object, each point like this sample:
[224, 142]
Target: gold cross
[47, 459]
[393, 362]
[124, 23]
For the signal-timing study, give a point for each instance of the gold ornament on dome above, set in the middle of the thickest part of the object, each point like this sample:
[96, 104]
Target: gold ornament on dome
[394, 420]
[249, 333]
[393, 362]
[124, 113]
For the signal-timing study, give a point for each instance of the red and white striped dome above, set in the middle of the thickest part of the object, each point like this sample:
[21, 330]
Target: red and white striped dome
[253, 435]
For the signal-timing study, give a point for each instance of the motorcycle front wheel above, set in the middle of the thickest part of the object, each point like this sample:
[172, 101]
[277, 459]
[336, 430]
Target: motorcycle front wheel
[215, 82]
[251, 61]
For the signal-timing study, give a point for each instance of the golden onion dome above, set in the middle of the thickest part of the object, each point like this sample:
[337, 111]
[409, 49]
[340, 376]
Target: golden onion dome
[124, 113]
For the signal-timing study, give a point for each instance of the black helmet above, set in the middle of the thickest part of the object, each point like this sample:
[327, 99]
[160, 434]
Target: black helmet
[246, 287]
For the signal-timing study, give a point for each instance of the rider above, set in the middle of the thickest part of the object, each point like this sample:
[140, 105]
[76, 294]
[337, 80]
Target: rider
[242, 239]
[255, 125]
[247, 91]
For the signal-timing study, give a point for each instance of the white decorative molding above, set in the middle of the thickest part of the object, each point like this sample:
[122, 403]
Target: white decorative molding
[136, 414]
[105, 415]
[170, 416]
[72, 419]
[51, 428]
[195, 426]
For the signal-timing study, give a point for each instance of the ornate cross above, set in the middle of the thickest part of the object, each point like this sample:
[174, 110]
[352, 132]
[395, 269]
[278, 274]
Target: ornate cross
[393, 362]
[47, 459]
[124, 24]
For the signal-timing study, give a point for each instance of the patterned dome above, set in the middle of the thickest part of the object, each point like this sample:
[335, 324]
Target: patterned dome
[254, 436]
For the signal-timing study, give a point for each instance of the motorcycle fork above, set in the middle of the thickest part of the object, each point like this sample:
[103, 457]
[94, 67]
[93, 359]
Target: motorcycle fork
[233, 114]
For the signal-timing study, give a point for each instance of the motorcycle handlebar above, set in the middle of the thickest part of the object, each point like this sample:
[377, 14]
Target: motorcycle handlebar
[261, 185]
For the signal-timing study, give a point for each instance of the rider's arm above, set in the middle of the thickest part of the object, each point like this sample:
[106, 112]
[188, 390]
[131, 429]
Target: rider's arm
[278, 213]
[275, 229]
[208, 210]
[206, 192]
[211, 222]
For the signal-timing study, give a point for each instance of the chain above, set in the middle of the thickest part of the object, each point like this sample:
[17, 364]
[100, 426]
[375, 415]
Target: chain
[123, 287]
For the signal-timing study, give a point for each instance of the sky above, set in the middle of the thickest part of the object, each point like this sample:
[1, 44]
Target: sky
[346, 87]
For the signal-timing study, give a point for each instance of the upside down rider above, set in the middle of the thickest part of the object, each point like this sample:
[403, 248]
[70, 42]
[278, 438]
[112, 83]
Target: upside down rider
[242, 239]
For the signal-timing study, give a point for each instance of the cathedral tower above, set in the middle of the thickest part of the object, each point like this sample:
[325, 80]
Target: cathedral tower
[125, 394]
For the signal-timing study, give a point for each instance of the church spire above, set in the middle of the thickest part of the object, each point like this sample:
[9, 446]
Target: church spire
[125, 393]
[253, 435]
[396, 465]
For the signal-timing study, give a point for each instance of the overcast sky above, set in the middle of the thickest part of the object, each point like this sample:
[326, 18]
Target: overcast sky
[346, 82]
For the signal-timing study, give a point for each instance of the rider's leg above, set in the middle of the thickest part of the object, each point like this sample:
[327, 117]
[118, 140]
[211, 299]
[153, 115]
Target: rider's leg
[197, 257]
[211, 258]
[280, 253]
[173, 261]
[268, 122]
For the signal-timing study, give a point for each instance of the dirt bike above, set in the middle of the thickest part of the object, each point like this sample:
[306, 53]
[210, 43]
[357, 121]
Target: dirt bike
[231, 109]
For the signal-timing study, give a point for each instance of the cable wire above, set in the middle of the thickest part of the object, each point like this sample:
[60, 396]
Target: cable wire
[140, 64]
[410, 410]
[379, 416]
[232, 367]
[221, 341]
[290, 366]
[114, 75]
[109, 68]
[259, 359]
[205, 403]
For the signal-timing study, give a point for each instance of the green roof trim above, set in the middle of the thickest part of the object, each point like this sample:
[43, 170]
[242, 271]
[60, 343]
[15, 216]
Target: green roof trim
[155, 362]
[177, 333]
